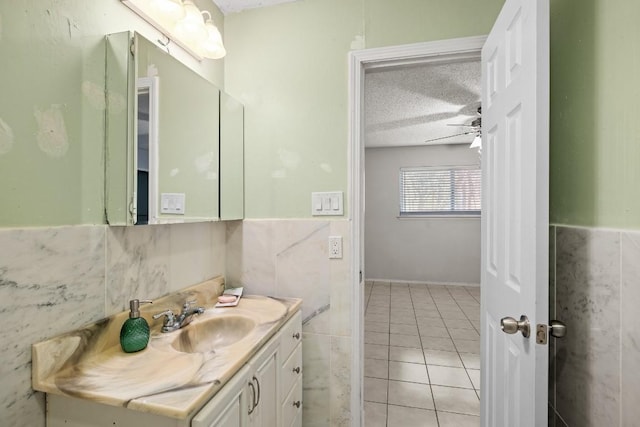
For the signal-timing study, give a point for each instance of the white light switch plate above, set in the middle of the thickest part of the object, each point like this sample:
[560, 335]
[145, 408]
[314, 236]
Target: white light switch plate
[172, 203]
[327, 203]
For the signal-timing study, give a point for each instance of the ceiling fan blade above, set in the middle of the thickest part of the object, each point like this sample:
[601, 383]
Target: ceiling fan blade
[450, 136]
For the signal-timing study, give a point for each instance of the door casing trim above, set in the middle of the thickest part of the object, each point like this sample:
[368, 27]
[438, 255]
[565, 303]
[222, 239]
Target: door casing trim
[359, 61]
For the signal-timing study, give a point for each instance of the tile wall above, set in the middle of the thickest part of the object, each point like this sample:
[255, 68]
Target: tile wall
[594, 374]
[53, 280]
[289, 258]
[56, 279]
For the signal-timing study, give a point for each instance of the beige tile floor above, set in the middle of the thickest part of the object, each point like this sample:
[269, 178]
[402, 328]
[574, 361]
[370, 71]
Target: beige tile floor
[422, 355]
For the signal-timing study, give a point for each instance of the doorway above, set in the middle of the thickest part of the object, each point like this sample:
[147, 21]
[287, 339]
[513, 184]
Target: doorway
[449, 51]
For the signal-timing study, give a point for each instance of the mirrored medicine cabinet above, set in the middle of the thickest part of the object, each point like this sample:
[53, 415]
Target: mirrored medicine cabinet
[174, 142]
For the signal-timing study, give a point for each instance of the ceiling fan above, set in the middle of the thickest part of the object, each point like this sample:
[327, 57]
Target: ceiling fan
[475, 129]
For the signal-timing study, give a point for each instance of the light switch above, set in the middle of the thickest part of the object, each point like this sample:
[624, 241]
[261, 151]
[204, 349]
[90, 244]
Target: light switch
[326, 203]
[335, 203]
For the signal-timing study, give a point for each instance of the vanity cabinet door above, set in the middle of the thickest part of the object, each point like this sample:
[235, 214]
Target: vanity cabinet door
[263, 387]
[230, 416]
[226, 409]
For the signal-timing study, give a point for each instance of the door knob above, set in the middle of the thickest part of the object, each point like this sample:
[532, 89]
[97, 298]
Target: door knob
[510, 325]
[557, 329]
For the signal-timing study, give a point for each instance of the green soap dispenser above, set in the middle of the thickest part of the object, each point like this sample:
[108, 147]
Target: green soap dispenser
[134, 335]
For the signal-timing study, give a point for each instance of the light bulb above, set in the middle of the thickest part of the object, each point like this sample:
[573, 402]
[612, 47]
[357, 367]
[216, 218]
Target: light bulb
[212, 47]
[170, 9]
[191, 27]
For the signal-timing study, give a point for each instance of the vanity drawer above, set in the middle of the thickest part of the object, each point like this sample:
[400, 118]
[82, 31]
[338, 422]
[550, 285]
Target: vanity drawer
[291, 334]
[292, 406]
[291, 371]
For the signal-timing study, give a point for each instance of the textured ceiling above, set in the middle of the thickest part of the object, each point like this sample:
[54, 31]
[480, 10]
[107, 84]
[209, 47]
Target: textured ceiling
[231, 6]
[409, 105]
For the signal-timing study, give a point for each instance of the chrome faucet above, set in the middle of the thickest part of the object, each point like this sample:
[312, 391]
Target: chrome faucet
[173, 322]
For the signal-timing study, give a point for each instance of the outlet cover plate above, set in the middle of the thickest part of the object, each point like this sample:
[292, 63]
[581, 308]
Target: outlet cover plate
[335, 247]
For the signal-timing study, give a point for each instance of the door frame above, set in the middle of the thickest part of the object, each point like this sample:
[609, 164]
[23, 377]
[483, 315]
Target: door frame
[359, 60]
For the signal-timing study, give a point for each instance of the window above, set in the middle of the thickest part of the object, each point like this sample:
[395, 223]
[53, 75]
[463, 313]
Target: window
[451, 190]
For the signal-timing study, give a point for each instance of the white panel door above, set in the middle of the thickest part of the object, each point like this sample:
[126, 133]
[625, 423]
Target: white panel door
[515, 139]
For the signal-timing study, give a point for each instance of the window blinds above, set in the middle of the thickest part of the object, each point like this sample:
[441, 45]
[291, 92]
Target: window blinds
[440, 191]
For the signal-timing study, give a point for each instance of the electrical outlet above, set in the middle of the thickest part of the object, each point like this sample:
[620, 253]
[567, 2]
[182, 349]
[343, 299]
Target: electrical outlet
[335, 247]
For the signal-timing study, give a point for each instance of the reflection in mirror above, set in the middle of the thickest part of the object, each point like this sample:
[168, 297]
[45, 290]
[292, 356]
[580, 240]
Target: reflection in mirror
[188, 132]
[162, 137]
[147, 179]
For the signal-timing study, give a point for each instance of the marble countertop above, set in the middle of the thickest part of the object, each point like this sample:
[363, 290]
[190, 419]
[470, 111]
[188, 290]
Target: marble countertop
[88, 363]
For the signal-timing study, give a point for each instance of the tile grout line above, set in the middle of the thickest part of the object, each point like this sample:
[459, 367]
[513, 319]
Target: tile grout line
[452, 340]
[479, 338]
[424, 357]
[388, 352]
[466, 371]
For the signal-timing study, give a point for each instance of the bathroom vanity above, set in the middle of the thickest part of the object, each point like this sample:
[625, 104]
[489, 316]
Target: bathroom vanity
[233, 366]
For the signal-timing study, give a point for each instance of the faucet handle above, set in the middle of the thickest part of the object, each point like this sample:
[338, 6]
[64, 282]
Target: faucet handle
[170, 317]
[188, 304]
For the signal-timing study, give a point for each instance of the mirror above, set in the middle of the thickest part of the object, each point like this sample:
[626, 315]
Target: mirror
[231, 158]
[162, 137]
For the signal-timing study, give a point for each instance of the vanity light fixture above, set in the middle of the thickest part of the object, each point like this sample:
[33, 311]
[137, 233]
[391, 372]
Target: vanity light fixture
[182, 22]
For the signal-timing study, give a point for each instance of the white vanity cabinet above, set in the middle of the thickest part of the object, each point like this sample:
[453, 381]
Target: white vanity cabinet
[291, 372]
[263, 387]
[274, 389]
[265, 392]
[227, 408]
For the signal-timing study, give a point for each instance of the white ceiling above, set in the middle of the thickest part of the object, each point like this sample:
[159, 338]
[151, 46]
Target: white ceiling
[232, 6]
[409, 105]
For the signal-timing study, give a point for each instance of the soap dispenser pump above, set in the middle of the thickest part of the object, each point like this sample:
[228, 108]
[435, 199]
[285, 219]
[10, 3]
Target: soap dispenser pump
[134, 335]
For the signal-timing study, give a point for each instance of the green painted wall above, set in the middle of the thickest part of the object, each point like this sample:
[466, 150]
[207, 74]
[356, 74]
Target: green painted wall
[595, 113]
[288, 65]
[398, 22]
[52, 108]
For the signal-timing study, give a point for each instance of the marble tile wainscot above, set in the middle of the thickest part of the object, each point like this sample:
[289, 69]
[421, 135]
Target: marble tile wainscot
[289, 258]
[55, 279]
[596, 289]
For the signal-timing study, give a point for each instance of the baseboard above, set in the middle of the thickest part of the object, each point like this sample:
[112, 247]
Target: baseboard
[422, 282]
